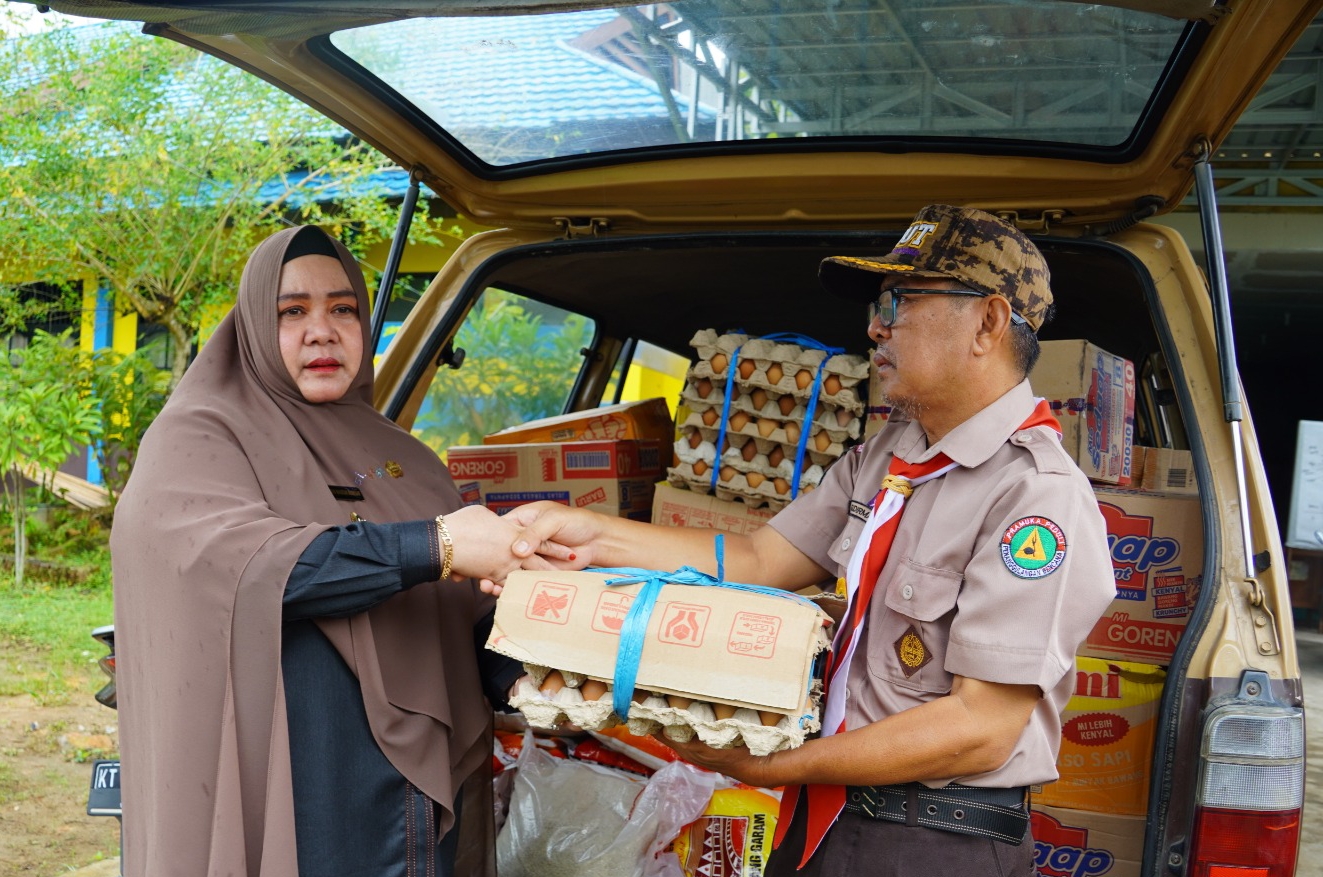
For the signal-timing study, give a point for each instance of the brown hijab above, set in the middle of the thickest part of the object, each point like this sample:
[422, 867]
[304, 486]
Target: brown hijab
[232, 483]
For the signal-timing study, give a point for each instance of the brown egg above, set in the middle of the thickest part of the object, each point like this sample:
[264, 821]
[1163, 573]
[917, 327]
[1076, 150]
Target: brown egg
[769, 718]
[592, 689]
[723, 710]
[718, 363]
[803, 378]
[781, 486]
[749, 451]
[703, 387]
[553, 683]
[792, 432]
[844, 417]
[766, 426]
[805, 488]
[759, 398]
[775, 456]
[747, 368]
[786, 404]
[831, 385]
[754, 479]
[700, 467]
[678, 702]
[822, 441]
[775, 373]
[695, 438]
[726, 473]
[739, 420]
[709, 416]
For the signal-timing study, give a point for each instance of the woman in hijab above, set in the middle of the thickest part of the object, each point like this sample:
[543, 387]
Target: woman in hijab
[301, 669]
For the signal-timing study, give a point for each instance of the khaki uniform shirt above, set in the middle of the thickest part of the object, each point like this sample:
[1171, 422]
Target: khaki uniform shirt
[998, 571]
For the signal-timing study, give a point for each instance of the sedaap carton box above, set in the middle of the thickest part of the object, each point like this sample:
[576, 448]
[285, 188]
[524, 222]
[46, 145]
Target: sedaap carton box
[675, 507]
[1075, 843]
[648, 419]
[612, 477]
[1107, 738]
[1092, 393]
[1157, 548]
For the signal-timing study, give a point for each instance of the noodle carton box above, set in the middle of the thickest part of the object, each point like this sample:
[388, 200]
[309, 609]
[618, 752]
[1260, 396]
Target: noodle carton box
[676, 507]
[1107, 738]
[648, 419]
[1157, 548]
[1092, 393]
[612, 477]
[1080, 843]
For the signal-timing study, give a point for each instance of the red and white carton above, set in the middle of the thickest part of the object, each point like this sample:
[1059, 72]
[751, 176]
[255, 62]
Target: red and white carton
[1157, 547]
[1076, 843]
[612, 477]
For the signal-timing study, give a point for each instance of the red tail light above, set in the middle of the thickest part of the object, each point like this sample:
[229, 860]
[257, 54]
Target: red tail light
[1251, 792]
[1245, 843]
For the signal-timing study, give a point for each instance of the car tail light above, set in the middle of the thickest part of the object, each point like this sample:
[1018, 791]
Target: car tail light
[1251, 791]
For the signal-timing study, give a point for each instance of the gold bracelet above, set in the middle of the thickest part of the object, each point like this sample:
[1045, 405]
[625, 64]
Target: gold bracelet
[447, 544]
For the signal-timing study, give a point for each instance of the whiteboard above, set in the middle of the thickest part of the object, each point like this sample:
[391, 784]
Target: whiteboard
[1305, 527]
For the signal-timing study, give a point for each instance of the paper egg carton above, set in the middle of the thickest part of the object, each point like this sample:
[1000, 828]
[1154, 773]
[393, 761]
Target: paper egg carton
[742, 424]
[781, 368]
[678, 717]
[771, 458]
[733, 484]
[714, 354]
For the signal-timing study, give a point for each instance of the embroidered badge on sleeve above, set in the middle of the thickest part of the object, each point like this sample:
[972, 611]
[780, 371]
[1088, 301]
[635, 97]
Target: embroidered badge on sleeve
[1033, 547]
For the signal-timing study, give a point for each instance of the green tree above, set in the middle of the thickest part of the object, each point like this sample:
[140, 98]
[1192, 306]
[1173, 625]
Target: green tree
[152, 170]
[44, 416]
[130, 391]
[518, 368]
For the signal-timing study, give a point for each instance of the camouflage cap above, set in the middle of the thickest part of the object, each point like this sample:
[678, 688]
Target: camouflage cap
[983, 252]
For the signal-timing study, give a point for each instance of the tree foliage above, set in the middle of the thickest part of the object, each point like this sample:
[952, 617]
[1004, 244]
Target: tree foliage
[152, 170]
[46, 412]
[518, 367]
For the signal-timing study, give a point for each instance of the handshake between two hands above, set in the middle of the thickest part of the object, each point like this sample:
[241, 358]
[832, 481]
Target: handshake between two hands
[540, 535]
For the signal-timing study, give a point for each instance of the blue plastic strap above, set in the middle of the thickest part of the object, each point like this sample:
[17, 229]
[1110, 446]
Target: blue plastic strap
[725, 413]
[720, 547]
[808, 428]
[635, 627]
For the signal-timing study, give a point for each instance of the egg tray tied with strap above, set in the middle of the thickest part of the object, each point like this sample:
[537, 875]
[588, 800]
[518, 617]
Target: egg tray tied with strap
[762, 418]
[729, 664]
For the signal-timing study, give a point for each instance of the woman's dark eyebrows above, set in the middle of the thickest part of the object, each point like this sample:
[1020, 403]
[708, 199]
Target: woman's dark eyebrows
[339, 293]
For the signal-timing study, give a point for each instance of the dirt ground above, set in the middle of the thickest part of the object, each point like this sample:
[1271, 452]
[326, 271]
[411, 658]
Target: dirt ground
[46, 754]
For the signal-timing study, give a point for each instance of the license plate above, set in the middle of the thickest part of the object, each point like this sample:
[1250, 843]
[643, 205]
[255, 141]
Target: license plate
[103, 799]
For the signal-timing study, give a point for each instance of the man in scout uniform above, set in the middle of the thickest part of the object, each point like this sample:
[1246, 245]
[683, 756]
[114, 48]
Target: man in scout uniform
[975, 558]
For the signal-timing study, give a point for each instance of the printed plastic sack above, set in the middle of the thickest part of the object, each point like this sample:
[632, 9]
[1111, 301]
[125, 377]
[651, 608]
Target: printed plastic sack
[570, 818]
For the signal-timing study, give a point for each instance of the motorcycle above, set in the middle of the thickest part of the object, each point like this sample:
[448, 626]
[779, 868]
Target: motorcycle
[103, 799]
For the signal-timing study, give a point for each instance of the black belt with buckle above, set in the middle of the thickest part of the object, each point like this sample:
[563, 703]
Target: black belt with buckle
[1000, 814]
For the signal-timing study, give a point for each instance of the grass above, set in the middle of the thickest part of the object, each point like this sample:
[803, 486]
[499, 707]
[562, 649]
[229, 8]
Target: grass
[54, 620]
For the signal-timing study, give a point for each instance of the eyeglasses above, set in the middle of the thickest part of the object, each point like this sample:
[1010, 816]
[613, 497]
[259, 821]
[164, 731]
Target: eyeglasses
[884, 308]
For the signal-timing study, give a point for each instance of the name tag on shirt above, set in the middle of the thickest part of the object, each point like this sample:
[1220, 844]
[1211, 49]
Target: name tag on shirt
[859, 511]
[346, 494]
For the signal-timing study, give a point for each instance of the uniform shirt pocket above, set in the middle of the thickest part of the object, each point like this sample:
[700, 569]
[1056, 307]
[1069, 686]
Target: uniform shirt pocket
[908, 637]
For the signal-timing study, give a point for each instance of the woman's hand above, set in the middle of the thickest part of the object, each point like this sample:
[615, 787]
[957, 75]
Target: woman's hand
[550, 536]
[484, 546]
